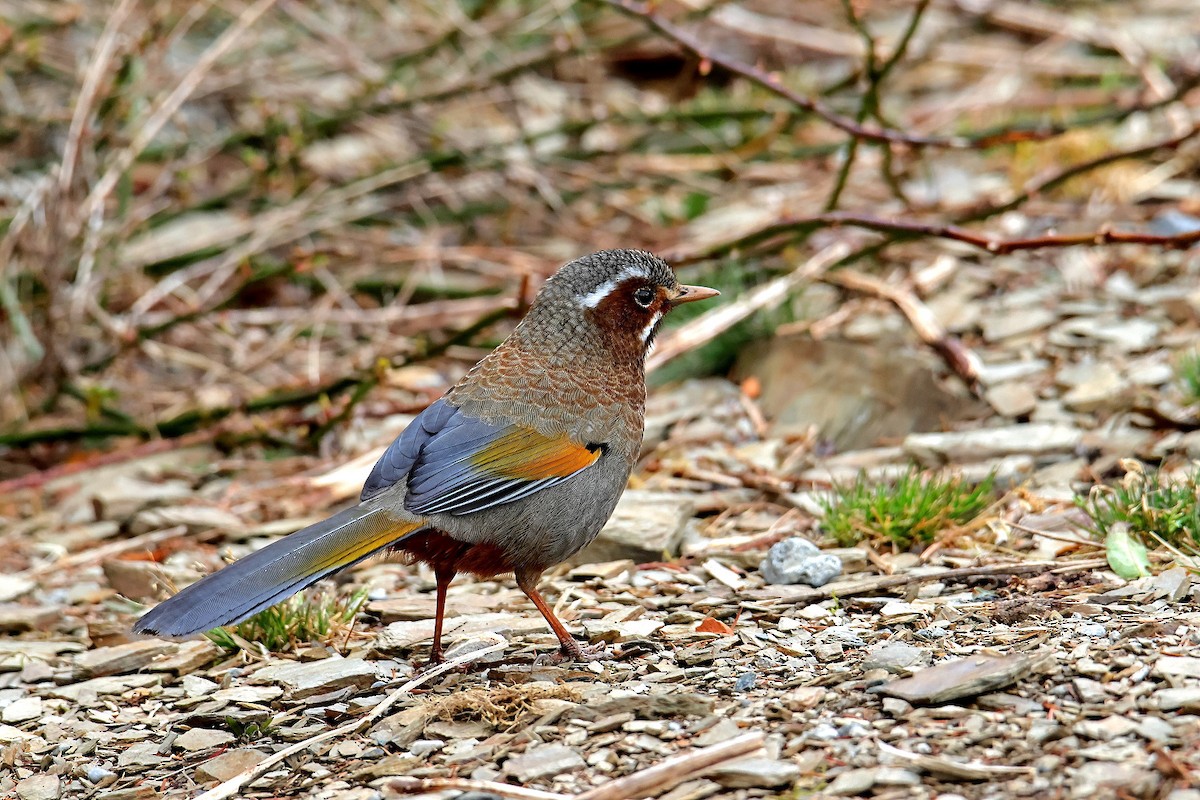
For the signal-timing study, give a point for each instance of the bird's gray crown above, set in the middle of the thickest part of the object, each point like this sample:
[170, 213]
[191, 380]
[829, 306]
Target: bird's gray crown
[590, 279]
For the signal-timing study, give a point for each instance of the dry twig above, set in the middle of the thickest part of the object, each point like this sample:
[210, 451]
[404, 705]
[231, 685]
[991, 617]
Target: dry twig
[648, 782]
[773, 84]
[964, 363]
[708, 326]
[233, 786]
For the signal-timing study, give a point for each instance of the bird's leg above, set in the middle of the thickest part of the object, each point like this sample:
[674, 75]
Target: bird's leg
[527, 580]
[444, 576]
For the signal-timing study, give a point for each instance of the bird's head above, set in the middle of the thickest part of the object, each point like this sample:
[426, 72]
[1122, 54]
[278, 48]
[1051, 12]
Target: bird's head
[615, 298]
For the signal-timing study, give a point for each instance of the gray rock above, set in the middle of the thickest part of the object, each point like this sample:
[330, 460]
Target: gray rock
[798, 560]
[423, 747]
[1012, 399]
[645, 527]
[40, 787]
[21, 619]
[896, 657]
[1155, 729]
[993, 374]
[22, 710]
[137, 580]
[195, 518]
[141, 754]
[1179, 666]
[318, 677]
[1017, 322]
[86, 692]
[123, 495]
[228, 764]
[1126, 335]
[964, 677]
[121, 658]
[198, 739]
[755, 773]
[1104, 389]
[13, 586]
[1100, 778]
[855, 394]
[96, 774]
[1034, 439]
[852, 782]
[1187, 698]
[543, 761]
[1104, 729]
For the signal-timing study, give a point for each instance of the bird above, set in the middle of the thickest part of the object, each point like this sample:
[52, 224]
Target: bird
[513, 470]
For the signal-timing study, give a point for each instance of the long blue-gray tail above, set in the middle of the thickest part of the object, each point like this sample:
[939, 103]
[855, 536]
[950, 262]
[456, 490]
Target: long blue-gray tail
[276, 572]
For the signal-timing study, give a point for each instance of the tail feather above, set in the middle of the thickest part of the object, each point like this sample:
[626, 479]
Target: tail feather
[277, 571]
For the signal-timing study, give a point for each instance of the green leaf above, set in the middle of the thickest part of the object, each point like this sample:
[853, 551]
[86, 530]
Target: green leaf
[1126, 555]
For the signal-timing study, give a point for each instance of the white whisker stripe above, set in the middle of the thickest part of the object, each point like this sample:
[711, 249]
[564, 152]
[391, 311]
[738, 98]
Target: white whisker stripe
[649, 329]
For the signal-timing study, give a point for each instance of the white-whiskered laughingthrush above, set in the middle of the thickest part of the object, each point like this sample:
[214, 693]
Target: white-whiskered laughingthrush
[515, 469]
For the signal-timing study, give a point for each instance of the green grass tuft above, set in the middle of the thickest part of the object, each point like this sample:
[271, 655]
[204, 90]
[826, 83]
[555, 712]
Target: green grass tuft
[316, 616]
[1150, 506]
[1187, 373]
[912, 508]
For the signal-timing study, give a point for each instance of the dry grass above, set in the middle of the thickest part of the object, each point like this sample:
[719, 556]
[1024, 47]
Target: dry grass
[502, 707]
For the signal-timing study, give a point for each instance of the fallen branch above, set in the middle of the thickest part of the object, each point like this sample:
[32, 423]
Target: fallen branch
[36, 480]
[95, 555]
[675, 770]
[961, 360]
[233, 786]
[712, 324]
[406, 785]
[653, 780]
[912, 229]
[807, 594]
[814, 106]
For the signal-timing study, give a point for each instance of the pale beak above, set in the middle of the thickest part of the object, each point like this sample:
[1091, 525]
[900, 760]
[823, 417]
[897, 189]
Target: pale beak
[690, 294]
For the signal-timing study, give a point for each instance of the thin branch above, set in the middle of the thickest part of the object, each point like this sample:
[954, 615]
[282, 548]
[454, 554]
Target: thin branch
[773, 84]
[407, 785]
[800, 594]
[675, 770]
[711, 324]
[96, 72]
[163, 112]
[233, 786]
[911, 229]
[1056, 179]
[960, 359]
[648, 782]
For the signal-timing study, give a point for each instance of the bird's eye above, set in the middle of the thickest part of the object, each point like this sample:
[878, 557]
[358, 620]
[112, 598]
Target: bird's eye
[644, 296]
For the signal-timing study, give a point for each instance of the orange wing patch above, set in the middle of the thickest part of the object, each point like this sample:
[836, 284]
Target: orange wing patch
[527, 455]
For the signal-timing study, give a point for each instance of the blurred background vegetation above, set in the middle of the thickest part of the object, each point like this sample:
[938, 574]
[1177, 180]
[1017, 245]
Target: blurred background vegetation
[250, 221]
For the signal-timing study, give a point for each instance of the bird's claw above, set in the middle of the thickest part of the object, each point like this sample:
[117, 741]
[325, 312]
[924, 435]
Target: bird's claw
[577, 653]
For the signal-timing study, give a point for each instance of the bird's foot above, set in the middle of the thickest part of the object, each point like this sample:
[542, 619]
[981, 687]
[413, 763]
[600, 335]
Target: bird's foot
[578, 653]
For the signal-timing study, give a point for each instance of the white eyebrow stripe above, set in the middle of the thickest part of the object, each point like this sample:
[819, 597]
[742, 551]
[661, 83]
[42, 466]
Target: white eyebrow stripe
[649, 329]
[597, 295]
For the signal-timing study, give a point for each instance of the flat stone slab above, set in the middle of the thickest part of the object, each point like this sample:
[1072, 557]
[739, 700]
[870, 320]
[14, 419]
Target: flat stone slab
[965, 677]
[318, 677]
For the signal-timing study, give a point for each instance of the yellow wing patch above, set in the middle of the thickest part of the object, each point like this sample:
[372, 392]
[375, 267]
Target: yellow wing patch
[367, 536]
[527, 455]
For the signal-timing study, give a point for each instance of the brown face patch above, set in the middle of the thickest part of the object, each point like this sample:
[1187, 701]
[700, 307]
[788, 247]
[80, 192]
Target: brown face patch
[620, 313]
